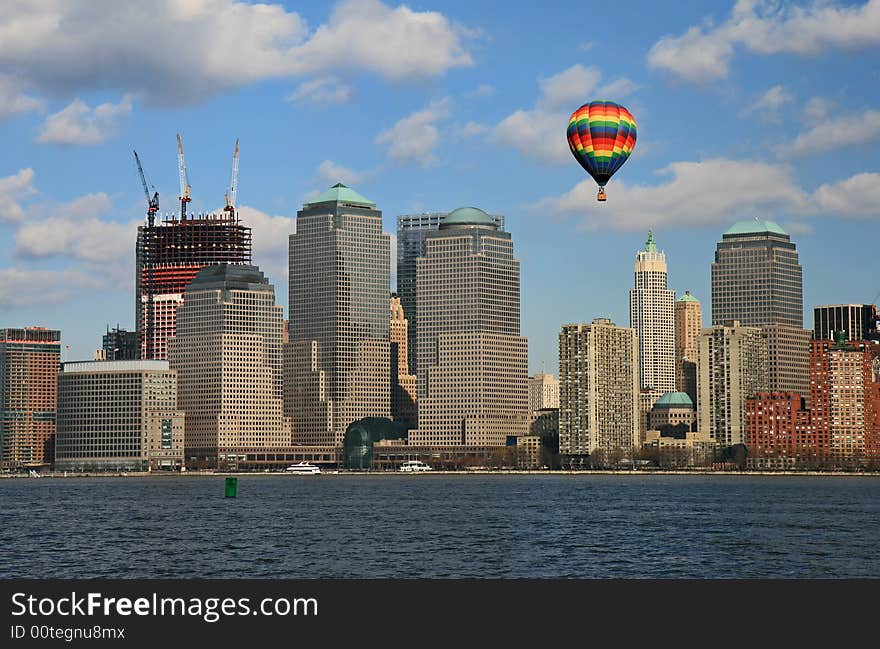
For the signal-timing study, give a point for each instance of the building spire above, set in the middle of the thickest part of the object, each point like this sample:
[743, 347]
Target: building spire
[650, 244]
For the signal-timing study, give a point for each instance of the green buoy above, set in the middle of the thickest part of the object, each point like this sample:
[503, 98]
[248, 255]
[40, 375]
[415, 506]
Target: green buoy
[231, 487]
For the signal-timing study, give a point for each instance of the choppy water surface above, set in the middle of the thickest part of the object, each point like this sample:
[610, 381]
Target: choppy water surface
[441, 526]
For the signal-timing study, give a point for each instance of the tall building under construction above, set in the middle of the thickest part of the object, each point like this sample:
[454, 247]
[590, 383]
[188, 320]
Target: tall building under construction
[168, 257]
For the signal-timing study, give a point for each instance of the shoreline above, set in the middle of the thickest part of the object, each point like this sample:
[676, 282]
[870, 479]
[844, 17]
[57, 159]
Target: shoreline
[500, 472]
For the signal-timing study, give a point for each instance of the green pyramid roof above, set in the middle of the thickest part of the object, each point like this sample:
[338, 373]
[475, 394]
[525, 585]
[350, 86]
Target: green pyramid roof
[755, 227]
[339, 193]
[687, 297]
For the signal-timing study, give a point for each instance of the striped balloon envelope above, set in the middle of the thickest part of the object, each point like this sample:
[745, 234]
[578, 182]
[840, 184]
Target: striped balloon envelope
[601, 136]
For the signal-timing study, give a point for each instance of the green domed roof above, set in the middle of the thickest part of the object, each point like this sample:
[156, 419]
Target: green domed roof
[674, 400]
[468, 216]
[687, 297]
[755, 226]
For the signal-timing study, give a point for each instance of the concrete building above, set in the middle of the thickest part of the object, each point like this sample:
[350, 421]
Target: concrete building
[403, 384]
[598, 388]
[412, 232]
[118, 415]
[306, 401]
[168, 256]
[339, 276]
[859, 321]
[845, 398]
[781, 433]
[29, 359]
[227, 353]
[472, 362]
[673, 415]
[688, 325]
[120, 345]
[757, 280]
[732, 369]
[543, 392]
[652, 315]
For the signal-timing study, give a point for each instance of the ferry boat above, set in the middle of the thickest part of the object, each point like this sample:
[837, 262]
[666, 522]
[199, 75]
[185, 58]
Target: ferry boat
[414, 466]
[303, 468]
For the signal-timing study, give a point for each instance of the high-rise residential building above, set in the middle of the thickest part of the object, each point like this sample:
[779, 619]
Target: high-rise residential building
[543, 392]
[227, 352]
[29, 360]
[781, 431]
[688, 325]
[412, 230]
[120, 345]
[732, 368]
[339, 279]
[598, 388]
[845, 397]
[403, 384]
[859, 321]
[757, 280]
[118, 415]
[652, 315]
[472, 362]
[167, 257]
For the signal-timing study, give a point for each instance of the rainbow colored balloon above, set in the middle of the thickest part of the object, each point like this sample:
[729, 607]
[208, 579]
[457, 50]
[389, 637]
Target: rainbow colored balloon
[601, 136]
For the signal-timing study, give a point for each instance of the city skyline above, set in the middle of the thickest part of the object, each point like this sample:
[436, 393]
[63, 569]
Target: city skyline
[475, 120]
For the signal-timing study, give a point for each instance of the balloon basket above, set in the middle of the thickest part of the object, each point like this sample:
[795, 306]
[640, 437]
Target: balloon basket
[601, 196]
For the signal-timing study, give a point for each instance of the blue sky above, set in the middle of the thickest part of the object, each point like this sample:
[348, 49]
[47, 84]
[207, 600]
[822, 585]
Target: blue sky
[744, 109]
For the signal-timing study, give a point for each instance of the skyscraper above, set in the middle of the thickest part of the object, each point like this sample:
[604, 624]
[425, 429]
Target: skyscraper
[120, 345]
[757, 280]
[688, 325]
[339, 278]
[227, 352]
[168, 256]
[598, 388]
[543, 392]
[859, 321]
[403, 384]
[118, 414]
[412, 230]
[29, 360]
[472, 362]
[652, 315]
[732, 369]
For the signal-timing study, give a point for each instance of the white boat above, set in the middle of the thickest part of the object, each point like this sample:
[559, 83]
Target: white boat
[303, 468]
[414, 466]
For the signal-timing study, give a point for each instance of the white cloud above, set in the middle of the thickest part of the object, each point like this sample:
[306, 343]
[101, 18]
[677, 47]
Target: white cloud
[817, 109]
[270, 239]
[618, 89]
[714, 192]
[471, 129]
[19, 288]
[321, 92]
[768, 105]
[415, 137]
[331, 173]
[539, 132]
[842, 131]
[75, 230]
[13, 101]
[12, 190]
[181, 51]
[79, 124]
[703, 53]
[483, 90]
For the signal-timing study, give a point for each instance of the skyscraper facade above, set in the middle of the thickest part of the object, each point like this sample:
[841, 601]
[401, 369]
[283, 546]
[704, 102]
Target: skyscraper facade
[732, 369]
[598, 388]
[29, 361]
[543, 392]
[403, 384]
[120, 345]
[757, 280]
[118, 415]
[688, 325]
[412, 231]
[227, 352]
[652, 315]
[168, 256]
[339, 277]
[859, 321]
[472, 362]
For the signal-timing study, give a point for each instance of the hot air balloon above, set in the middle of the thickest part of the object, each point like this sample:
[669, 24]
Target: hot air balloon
[601, 136]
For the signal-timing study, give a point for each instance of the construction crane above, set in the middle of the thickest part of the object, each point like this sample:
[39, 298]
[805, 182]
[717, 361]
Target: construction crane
[233, 183]
[184, 179]
[148, 244]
